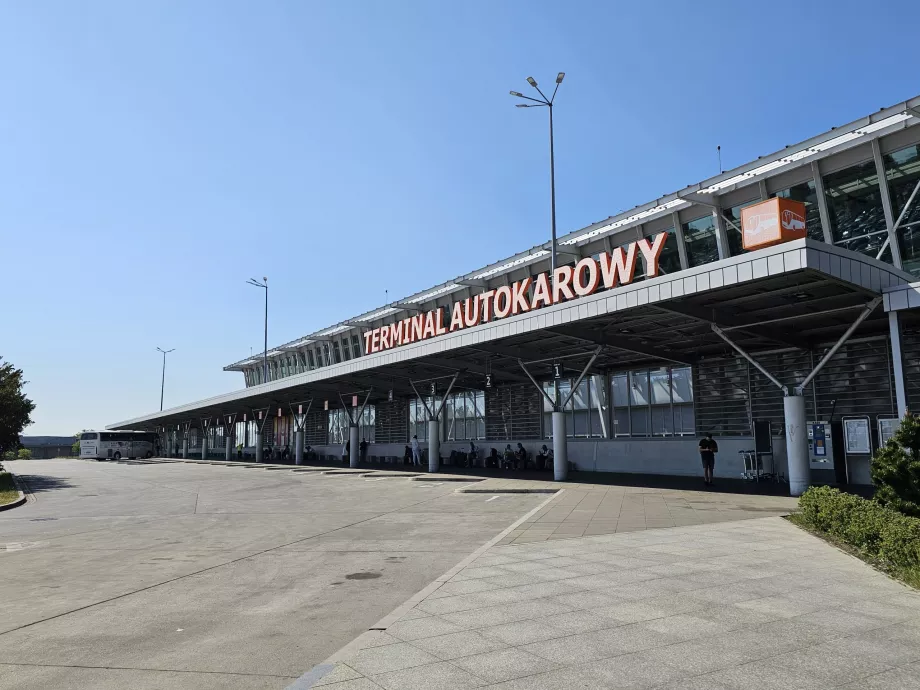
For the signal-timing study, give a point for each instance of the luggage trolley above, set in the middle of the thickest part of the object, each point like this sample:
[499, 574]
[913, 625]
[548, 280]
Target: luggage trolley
[754, 459]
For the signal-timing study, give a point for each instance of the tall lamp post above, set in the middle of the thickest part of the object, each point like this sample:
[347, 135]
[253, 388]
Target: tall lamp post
[541, 102]
[163, 377]
[263, 284]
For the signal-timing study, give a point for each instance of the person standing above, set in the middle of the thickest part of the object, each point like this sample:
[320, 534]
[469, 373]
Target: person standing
[416, 452]
[708, 450]
[363, 448]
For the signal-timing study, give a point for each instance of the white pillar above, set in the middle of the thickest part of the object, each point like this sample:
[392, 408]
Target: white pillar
[204, 444]
[352, 445]
[796, 444]
[185, 447]
[228, 447]
[897, 363]
[560, 448]
[434, 445]
[258, 446]
[298, 447]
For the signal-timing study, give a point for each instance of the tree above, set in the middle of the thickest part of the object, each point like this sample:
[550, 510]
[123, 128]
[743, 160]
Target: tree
[24, 454]
[15, 407]
[896, 469]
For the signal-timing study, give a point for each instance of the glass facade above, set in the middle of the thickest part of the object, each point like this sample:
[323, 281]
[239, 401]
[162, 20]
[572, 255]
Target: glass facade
[669, 261]
[902, 170]
[418, 417]
[733, 229]
[587, 410]
[653, 402]
[338, 425]
[700, 238]
[465, 416]
[854, 204]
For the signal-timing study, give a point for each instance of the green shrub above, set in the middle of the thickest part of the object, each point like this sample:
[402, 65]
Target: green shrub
[9, 455]
[24, 454]
[878, 532]
[896, 469]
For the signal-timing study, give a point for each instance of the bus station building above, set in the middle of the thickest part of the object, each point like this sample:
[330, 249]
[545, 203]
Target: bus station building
[657, 326]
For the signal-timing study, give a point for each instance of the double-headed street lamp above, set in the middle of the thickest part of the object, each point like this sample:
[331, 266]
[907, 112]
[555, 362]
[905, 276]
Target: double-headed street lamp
[163, 378]
[538, 103]
[263, 284]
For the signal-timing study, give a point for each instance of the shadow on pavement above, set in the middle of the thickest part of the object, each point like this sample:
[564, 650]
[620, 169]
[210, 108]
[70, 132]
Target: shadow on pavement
[37, 483]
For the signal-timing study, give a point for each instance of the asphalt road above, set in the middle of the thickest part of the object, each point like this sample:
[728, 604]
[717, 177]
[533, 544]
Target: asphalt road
[197, 576]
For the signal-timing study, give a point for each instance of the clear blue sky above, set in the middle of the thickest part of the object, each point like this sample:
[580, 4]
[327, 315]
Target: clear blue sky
[156, 154]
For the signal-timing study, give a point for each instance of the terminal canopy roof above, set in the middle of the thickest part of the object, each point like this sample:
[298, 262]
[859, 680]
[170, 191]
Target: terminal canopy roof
[800, 294]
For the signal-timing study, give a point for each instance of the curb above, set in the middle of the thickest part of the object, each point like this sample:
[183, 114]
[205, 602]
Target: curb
[308, 679]
[23, 496]
[506, 491]
[434, 477]
[14, 504]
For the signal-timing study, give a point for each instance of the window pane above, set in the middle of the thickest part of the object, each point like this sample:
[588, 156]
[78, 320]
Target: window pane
[682, 385]
[684, 420]
[662, 421]
[639, 420]
[669, 261]
[620, 390]
[480, 405]
[806, 193]
[735, 245]
[581, 423]
[565, 385]
[902, 168]
[621, 421]
[580, 399]
[638, 388]
[598, 406]
[661, 386]
[854, 205]
[548, 387]
[700, 238]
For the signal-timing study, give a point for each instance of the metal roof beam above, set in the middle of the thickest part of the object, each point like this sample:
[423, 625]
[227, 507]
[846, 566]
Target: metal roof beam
[633, 345]
[720, 318]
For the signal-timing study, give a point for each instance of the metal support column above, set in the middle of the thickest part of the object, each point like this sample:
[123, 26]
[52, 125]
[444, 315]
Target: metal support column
[434, 423]
[353, 441]
[205, 429]
[228, 446]
[259, 454]
[560, 434]
[300, 419]
[897, 362]
[886, 204]
[823, 211]
[260, 417]
[796, 444]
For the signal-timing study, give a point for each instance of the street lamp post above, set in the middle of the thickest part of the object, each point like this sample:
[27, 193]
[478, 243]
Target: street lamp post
[543, 101]
[263, 284]
[163, 377]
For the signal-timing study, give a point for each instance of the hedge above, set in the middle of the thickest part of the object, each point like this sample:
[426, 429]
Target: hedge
[881, 535]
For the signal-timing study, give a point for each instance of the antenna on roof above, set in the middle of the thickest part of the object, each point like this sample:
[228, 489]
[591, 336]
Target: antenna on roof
[719, 151]
[386, 294]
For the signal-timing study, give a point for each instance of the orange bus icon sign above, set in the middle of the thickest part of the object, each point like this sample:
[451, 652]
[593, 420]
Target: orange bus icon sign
[772, 222]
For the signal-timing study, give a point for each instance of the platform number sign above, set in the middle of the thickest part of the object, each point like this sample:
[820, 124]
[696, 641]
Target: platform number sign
[354, 401]
[558, 370]
[488, 381]
[326, 405]
[390, 395]
[434, 388]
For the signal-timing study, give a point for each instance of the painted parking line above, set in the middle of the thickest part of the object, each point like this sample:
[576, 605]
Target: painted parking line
[492, 499]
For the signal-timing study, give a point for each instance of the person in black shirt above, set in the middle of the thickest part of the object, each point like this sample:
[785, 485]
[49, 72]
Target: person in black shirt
[708, 450]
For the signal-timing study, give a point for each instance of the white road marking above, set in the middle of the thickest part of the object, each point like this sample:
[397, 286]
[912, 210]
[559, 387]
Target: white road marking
[430, 486]
[492, 499]
[179, 629]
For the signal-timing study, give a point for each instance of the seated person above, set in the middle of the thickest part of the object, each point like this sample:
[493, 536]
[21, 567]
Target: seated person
[520, 457]
[508, 459]
[493, 459]
[472, 455]
[286, 453]
[544, 458]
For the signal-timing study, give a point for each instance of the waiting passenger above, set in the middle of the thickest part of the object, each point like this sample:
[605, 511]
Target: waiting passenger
[520, 457]
[544, 458]
[508, 460]
[416, 452]
[472, 455]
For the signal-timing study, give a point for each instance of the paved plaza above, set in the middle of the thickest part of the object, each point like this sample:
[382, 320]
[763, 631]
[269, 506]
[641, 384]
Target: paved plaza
[752, 604]
[206, 575]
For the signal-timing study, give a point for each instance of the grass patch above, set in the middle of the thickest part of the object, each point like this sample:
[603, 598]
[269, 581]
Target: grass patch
[884, 538]
[8, 490]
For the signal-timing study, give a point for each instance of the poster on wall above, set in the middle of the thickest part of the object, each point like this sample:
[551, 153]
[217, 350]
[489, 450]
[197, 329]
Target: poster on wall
[856, 436]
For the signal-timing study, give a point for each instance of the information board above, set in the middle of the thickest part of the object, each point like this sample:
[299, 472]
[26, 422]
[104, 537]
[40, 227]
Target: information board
[856, 436]
[886, 429]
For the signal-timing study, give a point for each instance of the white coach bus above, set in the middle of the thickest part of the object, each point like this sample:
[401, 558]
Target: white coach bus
[103, 445]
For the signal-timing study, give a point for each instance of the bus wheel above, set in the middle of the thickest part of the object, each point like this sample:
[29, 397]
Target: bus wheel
[117, 456]
[148, 455]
